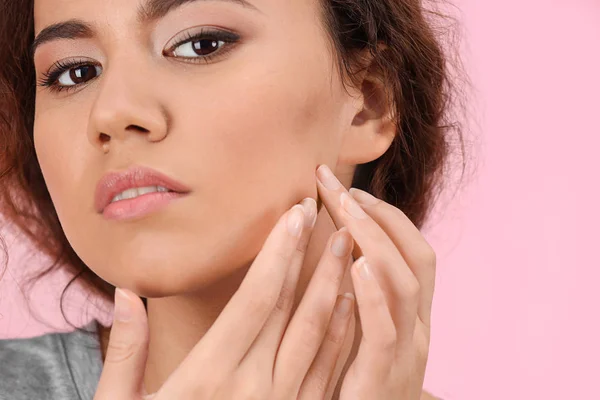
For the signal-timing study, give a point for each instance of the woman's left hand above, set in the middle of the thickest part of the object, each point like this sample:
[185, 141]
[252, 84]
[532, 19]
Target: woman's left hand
[394, 299]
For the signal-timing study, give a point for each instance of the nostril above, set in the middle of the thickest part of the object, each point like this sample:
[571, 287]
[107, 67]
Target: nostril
[138, 128]
[104, 138]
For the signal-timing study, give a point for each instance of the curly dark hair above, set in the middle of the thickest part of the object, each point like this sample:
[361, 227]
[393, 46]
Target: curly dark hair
[419, 63]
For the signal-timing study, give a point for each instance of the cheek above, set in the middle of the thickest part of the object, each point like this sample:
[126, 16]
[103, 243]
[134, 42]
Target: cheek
[62, 162]
[50, 156]
[264, 131]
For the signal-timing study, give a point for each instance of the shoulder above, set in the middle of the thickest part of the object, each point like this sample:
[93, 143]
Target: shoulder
[23, 354]
[29, 365]
[49, 366]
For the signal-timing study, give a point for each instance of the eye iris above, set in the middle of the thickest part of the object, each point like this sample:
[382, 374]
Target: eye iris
[204, 46]
[82, 74]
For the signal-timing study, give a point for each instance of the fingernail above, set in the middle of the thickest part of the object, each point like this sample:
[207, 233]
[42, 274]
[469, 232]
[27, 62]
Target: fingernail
[340, 245]
[295, 220]
[327, 178]
[364, 270]
[123, 310]
[351, 206]
[363, 197]
[344, 304]
[310, 209]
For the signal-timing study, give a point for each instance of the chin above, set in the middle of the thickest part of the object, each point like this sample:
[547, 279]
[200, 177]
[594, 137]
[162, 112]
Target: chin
[177, 271]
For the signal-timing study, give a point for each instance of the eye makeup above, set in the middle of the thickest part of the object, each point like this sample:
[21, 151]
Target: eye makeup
[204, 46]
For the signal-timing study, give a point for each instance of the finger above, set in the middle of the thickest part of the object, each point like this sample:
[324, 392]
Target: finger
[224, 345]
[377, 349]
[400, 286]
[263, 350]
[308, 326]
[342, 363]
[322, 374]
[123, 371]
[418, 254]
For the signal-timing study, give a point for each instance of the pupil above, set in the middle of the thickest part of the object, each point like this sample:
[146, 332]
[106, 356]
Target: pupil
[83, 73]
[204, 46]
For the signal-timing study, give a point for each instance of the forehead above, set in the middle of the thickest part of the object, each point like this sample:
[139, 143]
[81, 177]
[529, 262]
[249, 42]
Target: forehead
[47, 12]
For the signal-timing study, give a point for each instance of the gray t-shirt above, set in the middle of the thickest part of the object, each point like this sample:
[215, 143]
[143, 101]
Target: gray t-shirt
[54, 366]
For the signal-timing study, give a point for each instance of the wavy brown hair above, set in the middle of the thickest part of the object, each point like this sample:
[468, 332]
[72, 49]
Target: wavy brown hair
[419, 64]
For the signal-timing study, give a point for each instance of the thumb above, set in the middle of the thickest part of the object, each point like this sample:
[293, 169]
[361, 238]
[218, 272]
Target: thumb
[123, 372]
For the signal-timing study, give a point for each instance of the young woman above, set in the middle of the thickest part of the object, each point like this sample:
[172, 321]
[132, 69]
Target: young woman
[182, 150]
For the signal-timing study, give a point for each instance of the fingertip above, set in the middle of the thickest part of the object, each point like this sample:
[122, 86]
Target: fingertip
[126, 349]
[344, 304]
[363, 269]
[123, 305]
[126, 308]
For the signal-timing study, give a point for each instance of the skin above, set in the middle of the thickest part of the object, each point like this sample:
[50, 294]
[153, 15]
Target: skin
[244, 131]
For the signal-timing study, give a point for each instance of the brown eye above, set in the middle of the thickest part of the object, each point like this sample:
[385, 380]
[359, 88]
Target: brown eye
[197, 47]
[202, 46]
[79, 74]
[205, 46]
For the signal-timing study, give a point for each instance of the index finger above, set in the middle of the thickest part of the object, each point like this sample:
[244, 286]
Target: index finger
[418, 253]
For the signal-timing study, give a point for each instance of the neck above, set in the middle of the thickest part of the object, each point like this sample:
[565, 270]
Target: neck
[177, 323]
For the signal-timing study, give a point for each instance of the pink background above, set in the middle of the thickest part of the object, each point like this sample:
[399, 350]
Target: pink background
[516, 307]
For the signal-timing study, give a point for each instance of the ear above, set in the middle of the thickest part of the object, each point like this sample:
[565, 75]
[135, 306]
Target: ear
[372, 128]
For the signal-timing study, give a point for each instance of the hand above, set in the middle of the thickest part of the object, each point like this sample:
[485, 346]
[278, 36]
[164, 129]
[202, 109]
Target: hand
[245, 353]
[394, 300]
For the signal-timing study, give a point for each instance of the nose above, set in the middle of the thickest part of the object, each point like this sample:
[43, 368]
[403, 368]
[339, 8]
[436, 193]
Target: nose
[126, 107]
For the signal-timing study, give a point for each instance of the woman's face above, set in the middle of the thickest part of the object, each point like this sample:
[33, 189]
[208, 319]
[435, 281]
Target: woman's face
[243, 125]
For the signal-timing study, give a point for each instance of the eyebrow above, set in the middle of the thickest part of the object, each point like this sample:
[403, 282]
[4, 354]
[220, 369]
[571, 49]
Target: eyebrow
[72, 29]
[150, 10]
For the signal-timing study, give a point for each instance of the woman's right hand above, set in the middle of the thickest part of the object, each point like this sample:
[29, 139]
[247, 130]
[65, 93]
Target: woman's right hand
[250, 351]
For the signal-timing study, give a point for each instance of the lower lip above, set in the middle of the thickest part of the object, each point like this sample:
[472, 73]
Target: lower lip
[139, 206]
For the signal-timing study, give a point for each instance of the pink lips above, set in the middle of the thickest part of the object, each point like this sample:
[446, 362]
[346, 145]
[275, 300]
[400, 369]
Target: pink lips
[135, 177]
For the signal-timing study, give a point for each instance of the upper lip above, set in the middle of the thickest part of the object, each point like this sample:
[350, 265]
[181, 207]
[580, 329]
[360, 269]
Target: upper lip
[114, 183]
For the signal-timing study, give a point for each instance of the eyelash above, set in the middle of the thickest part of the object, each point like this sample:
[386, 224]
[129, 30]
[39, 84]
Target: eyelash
[49, 79]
